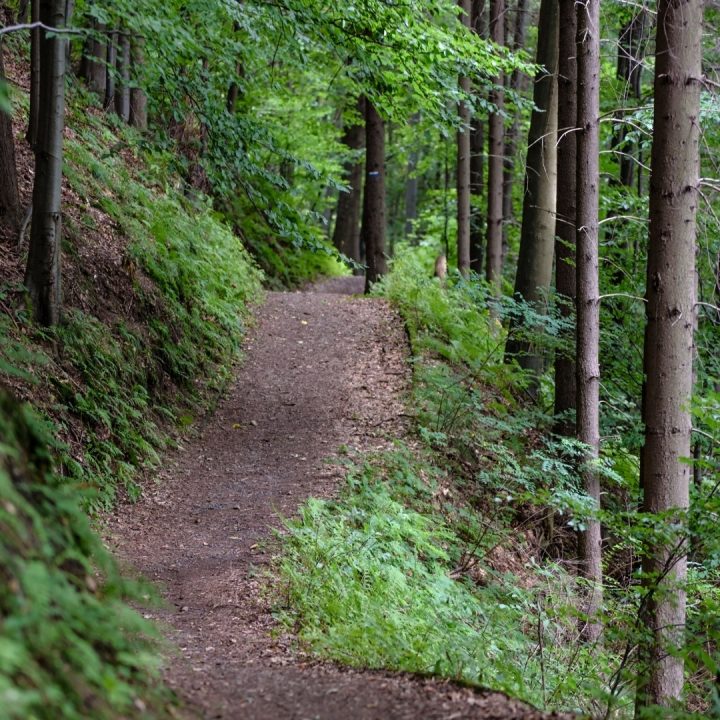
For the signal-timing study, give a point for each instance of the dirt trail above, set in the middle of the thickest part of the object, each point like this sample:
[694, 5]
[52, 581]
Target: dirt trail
[322, 369]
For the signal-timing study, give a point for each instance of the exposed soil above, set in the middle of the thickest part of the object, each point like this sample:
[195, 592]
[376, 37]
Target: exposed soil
[322, 369]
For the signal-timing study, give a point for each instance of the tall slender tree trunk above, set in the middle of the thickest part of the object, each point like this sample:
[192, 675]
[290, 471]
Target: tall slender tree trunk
[346, 236]
[588, 293]
[33, 121]
[511, 137]
[631, 41]
[138, 98]
[93, 68]
[122, 92]
[111, 70]
[496, 142]
[411, 193]
[233, 94]
[668, 356]
[9, 197]
[373, 216]
[69, 17]
[565, 226]
[477, 161]
[537, 235]
[42, 276]
[463, 163]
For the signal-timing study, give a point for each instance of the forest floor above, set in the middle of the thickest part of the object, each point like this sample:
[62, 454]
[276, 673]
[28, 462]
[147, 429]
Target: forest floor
[322, 370]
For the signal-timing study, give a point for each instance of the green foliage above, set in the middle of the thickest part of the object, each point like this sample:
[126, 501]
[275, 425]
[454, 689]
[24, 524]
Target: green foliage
[70, 648]
[114, 381]
[402, 570]
[380, 578]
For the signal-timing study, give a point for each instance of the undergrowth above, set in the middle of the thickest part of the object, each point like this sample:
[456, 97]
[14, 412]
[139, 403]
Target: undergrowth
[450, 559]
[164, 339]
[396, 574]
[70, 647]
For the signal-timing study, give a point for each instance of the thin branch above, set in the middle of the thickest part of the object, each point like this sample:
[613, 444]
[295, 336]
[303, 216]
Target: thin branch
[625, 295]
[42, 26]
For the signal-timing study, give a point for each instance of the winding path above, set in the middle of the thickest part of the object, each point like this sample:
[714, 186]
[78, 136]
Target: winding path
[322, 369]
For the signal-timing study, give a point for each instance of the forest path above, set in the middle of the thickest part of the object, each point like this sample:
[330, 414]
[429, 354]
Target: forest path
[321, 369]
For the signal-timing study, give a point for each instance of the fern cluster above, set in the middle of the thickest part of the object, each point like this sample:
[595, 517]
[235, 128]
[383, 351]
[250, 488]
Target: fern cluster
[70, 647]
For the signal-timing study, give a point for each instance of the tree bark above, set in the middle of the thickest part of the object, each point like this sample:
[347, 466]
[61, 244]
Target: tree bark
[511, 137]
[565, 226]
[373, 216]
[496, 133]
[69, 16]
[629, 69]
[411, 193]
[346, 236]
[111, 70]
[537, 235]
[477, 161]
[122, 92]
[92, 67]
[463, 163]
[631, 40]
[233, 94]
[42, 276]
[9, 197]
[668, 354]
[138, 98]
[588, 294]
[33, 120]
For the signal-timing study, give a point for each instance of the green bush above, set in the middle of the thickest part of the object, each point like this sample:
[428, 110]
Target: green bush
[70, 648]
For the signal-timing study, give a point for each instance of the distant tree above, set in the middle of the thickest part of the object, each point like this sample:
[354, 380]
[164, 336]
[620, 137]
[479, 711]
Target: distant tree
[537, 234]
[138, 98]
[565, 225]
[496, 147]
[346, 235]
[477, 159]
[463, 161]
[33, 119]
[111, 69]
[122, 92]
[515, 82]
[9, 197]
[42, 275]
[588, 293]
[373, 215]
[668, 352]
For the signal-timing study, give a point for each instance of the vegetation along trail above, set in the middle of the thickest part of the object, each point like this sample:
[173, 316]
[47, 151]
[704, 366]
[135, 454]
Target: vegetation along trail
[322, 369]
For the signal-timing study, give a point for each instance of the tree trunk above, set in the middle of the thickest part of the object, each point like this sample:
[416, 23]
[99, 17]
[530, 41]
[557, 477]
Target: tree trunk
[565, 383]
[629, 69]
[92, 67]
[111, 70]
[138, 98]
[42, 276]
[496, 141]
[588, 293]
[537, 235]
[463, 163]
[668, 356]
[122, 92]
[33, 120]
[69, 16]
[411, 193]
[477, 161]
[373, 216]
[9, 197]
[511, 137]
[346, 236]
[631, 40]
[233, 94]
